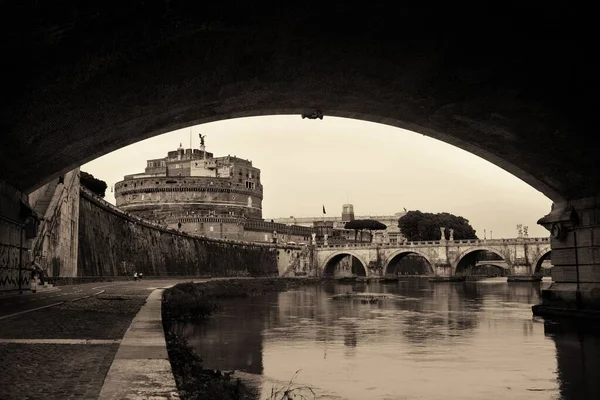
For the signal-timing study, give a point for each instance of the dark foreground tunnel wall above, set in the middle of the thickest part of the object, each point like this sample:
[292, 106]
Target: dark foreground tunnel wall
[112, 243]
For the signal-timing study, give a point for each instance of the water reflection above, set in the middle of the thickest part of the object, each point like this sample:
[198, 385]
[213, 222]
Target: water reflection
[578, 358]
[468, 340]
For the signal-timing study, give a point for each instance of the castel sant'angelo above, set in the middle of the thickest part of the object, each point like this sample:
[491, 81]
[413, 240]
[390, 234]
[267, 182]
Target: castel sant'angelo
[221, 197]
[195, 192]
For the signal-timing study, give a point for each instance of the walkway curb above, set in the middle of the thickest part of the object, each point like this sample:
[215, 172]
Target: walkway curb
[141, 368]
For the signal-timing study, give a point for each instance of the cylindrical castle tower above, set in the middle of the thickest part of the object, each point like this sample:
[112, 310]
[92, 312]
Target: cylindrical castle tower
[191, 183]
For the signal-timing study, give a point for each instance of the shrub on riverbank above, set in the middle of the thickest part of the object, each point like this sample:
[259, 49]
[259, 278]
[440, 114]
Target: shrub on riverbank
[197, 301]
[195, 382]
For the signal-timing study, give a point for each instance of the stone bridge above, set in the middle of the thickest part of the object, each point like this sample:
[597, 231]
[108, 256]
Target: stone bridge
[521, 256]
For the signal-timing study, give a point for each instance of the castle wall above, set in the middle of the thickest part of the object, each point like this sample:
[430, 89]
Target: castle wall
[113, 243]
[162, 197]
[242, 229]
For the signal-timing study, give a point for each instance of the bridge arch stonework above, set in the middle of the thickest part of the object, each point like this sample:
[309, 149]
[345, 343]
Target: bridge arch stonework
[521, 255]
[506, 256]
[329, 257]
[396, 253]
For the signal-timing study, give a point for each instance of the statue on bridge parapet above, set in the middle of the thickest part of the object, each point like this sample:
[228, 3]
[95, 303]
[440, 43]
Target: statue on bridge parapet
[525, 234]
[519, 230]
[442, 233]
[451, 234]
[314, 238]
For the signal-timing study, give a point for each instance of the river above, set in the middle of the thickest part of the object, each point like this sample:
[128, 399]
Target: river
[471, 340]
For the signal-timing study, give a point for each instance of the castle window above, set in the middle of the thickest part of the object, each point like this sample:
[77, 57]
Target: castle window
[250, 185]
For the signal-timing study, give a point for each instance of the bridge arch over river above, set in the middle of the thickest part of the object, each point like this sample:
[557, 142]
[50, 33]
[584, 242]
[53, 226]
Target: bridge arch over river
[390, 263]
[521, 256]
[344, 263]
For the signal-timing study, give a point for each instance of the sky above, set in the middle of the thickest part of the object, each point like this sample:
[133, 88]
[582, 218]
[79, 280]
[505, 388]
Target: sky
[308, 164]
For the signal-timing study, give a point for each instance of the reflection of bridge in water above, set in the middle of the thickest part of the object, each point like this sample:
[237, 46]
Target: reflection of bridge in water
[520, 257]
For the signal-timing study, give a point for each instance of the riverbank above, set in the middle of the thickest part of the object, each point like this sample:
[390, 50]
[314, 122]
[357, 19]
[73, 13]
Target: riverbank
[189, 301]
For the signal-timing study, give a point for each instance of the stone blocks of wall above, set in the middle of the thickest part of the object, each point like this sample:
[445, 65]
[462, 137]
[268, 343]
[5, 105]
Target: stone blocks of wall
[55, 247]
[111, 243]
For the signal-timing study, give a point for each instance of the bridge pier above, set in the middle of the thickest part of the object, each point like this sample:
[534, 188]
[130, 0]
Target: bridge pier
[575, 229]
[443, 270]
[522, 273]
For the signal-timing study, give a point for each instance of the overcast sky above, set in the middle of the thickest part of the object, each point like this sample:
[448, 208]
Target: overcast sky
[380, 169]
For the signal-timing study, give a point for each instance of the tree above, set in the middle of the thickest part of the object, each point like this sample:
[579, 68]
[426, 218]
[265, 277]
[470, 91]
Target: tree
[96, 186]
[416, 225]
[368, 224]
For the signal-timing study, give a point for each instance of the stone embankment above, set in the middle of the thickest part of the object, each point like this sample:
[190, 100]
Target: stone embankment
[114, 243]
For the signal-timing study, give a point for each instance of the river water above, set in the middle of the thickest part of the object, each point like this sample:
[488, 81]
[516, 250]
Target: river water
[470, 340]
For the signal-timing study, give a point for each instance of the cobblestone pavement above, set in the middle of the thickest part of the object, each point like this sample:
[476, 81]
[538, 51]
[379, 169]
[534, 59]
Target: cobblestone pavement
[69, 371]
[51, 371]
[100, 317]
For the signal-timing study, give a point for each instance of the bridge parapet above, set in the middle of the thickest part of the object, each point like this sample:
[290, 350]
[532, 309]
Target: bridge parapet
[487, 242]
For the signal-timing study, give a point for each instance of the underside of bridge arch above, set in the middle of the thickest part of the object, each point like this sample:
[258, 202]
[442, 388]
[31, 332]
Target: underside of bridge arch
[482, 262]
[409, 263]
[344, 265]
[543, 265]
[114, 73]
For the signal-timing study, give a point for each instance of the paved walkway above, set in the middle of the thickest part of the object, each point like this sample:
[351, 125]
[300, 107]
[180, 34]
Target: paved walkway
[14, 303]
[141, 369]
[66, 351]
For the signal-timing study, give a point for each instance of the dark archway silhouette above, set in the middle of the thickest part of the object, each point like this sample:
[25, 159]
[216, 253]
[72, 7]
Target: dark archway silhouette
[539, 266]
[116, 73]
[473, 261]
[409, 263]
[353, 267]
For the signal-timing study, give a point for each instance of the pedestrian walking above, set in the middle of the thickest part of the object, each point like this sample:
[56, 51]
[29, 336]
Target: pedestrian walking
[34, 280]
[135, 276]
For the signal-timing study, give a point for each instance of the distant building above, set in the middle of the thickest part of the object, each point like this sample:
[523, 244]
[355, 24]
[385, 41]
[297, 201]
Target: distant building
[334, 226]
[195, 192]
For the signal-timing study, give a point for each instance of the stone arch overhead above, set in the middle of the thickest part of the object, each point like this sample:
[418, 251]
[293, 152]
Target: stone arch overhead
[218, 65]
[407, 251]
[349, 253]
[478, 248]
